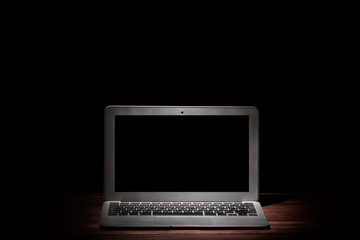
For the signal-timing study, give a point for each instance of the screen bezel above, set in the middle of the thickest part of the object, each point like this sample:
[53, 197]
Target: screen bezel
[109, 166]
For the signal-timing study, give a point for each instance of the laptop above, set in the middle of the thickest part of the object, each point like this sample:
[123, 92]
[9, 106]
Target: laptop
[181, 166]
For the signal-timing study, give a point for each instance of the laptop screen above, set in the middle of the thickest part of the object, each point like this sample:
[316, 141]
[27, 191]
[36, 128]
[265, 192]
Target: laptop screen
[181, 153]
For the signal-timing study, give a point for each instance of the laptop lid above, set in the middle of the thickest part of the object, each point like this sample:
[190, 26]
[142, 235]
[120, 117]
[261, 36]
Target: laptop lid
[181, 153]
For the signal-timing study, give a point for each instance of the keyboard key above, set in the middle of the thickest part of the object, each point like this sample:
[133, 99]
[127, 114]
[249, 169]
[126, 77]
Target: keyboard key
[232, 214]
[210, 213]
[242, 213]
[145, 213]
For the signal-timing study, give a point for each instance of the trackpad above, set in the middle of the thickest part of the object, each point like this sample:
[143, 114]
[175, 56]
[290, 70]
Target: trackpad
[183, 221]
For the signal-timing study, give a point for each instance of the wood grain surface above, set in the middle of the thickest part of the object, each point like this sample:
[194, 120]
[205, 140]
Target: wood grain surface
[76, 216]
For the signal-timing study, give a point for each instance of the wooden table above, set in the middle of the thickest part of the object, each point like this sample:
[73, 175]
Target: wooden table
[76, 216]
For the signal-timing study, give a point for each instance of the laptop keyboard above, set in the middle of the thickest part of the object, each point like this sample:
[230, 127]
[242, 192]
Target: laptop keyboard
[181, 209]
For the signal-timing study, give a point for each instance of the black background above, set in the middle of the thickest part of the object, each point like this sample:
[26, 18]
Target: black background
[297, 70]
[308, 130]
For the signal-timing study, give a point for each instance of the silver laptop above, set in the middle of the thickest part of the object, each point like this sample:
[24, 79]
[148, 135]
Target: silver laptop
[181, 166]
